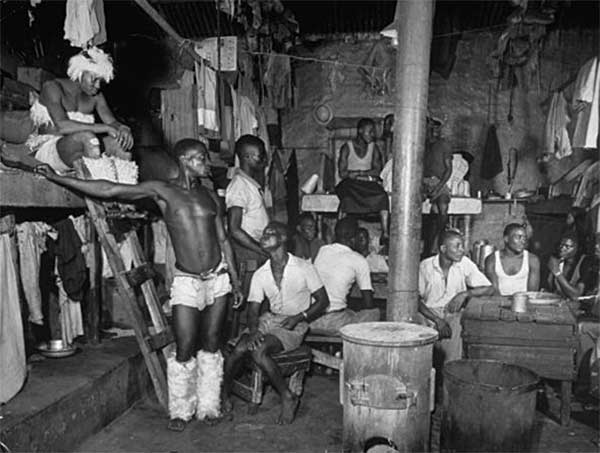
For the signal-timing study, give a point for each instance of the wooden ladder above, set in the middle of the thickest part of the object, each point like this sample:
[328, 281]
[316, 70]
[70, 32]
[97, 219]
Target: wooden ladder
[151, 339]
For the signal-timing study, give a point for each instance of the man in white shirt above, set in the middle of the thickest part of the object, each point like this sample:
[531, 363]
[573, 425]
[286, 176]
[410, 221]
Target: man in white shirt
[246, 211]
[339, 267]
[513, 269]
[446, 282]
[289, 283]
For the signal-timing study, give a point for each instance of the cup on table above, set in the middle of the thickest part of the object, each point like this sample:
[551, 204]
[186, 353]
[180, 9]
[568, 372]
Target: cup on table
[55, 345]
[519, 303]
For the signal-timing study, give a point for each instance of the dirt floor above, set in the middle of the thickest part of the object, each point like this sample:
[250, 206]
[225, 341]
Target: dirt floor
[318, 428]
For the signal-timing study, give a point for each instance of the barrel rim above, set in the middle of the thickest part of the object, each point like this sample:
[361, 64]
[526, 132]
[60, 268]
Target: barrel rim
[521, 388]
[432, 337]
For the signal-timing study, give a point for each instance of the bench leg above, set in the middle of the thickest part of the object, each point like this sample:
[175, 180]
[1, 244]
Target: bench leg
[565, 403]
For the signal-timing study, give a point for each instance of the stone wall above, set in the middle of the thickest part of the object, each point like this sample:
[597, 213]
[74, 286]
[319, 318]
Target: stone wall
[461, 101]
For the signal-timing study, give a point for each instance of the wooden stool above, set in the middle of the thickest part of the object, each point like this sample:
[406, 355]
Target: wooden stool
[295, 364]
[323, 358]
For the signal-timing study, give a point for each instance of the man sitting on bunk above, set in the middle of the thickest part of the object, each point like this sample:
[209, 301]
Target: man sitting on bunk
[64, 115]
[359, 166]
[513, 269]
[201, 282]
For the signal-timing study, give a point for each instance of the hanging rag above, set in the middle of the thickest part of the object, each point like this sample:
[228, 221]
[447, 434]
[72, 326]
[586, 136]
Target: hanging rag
[71, 319]
[245, 117]
[31, 238]
[13, 367]
[586, 99]
[70, 261]
[206, 80]
[491, 161]
[557, 137]
[82, 24]
[278, 80]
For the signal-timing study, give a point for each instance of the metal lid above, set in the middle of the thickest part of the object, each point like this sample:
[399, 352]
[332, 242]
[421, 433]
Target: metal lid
[388, 334]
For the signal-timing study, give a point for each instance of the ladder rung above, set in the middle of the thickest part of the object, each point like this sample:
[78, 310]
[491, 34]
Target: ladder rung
[140, 274]
[161, 339]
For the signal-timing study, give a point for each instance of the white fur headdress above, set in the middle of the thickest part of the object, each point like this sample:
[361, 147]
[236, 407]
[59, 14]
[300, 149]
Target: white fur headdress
[92, 60]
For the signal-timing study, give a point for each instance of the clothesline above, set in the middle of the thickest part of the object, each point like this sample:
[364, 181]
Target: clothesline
[356, 65]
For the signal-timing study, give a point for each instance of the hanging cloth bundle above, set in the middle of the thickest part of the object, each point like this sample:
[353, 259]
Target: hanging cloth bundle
[491, 160]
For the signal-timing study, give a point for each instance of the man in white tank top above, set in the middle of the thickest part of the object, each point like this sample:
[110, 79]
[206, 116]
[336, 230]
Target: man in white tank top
[513, 269]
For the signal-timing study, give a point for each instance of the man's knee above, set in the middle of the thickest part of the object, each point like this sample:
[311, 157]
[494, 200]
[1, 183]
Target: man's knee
[260, 354]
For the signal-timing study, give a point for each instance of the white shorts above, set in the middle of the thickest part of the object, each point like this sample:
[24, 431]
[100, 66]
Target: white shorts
[47, 153]
[199, 292]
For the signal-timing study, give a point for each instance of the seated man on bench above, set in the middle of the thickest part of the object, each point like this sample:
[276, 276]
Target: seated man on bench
[289, 283]
[339, 266]
[359, 165]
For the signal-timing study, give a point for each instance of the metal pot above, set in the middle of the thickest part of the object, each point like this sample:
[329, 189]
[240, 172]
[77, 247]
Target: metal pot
[476, 253]
[486, 251]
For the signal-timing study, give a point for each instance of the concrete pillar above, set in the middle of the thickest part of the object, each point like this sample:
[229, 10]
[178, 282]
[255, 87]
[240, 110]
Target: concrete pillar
[414, 22]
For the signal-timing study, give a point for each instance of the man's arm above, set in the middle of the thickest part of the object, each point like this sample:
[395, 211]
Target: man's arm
[460, 300]
[105, 189]
[376, 165]
[228, 252]
[124, 137]
[447, 169]
[343, 162]
[533, 280]
[313, 312]
[440, 324]
[51, 98]
[490, 272]
[367, 298]
[235, 230]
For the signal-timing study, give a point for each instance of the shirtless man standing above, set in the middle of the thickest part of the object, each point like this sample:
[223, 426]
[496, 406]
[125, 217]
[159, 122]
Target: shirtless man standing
[64, 115]
[201, 284]
[437, 169]
[513, 269]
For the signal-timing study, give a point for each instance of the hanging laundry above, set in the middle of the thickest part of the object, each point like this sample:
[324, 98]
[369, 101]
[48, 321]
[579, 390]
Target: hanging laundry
[100, 37]
[159, 239]
[245, 120]
[491, 159]
[206, 80]
[586, 101]
[12, 346]
[278, 80]
[557, 137]
[69, 260]
[71, 319]
[83, 231]
[31, 238]
[81, 24]
[588, 192]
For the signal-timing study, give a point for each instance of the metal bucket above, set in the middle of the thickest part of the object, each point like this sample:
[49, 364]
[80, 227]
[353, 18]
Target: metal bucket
[488, 406]
[486, 250]
[388, 384]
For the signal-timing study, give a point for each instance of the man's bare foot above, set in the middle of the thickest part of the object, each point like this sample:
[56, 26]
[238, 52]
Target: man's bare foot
[289, 406]
[213, 421]
[176, 424]
[226, 405]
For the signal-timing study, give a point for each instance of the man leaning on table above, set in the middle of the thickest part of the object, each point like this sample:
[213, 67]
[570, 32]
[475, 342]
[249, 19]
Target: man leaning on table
[446, 282]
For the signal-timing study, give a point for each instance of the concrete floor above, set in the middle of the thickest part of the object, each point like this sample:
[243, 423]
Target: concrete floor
[318, 428]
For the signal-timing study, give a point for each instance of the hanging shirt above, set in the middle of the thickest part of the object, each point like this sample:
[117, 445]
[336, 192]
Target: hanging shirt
[557, 137]
[81, 23]
[586, 90]
[206, 80]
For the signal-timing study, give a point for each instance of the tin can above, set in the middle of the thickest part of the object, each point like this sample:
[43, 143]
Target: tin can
[519, 303]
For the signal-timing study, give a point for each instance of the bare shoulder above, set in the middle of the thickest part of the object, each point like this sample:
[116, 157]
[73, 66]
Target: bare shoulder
[51, 90]
[533, 259]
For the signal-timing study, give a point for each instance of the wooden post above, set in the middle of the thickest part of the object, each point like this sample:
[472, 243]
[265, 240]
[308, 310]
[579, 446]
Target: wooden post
[95, 293]
[414, 22]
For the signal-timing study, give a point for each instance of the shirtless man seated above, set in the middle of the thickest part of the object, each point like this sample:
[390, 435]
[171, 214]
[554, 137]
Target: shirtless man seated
[64, 115]
[201, 283]
[513, 269]
[289, 284]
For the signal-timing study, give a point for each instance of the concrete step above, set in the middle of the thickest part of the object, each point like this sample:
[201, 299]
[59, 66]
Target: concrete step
[64, 401]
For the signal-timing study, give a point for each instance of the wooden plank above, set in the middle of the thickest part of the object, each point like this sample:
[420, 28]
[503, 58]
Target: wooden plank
[319, 202]
[161, 339]
[322, 339]
[529, 333]
[23, 189]
[327, 360]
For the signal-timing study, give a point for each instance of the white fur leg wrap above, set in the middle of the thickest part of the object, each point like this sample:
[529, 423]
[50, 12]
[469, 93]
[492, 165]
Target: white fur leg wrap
[181, 380]
[208, 387]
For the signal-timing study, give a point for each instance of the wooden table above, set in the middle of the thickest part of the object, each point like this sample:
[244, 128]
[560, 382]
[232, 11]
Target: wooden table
[543, 340]
[463, 206]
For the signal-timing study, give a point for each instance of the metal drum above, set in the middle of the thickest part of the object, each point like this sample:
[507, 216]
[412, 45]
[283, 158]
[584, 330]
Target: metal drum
[388, 384]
